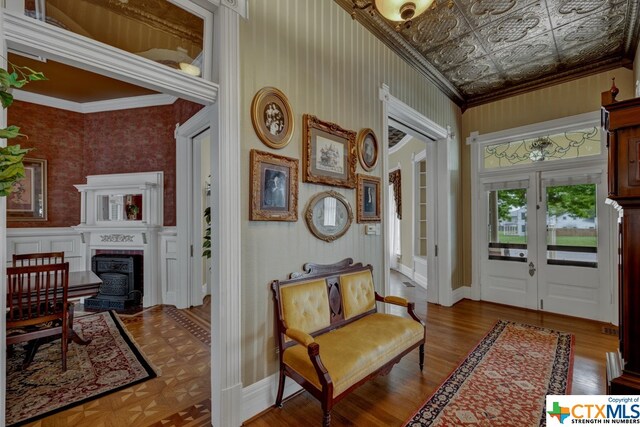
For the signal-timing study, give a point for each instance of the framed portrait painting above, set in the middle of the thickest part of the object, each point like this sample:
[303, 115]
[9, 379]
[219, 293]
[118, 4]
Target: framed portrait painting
[367, 149]
[328, 153]
[272, 117]
[274, 187]
[368, 192]
[28, 199]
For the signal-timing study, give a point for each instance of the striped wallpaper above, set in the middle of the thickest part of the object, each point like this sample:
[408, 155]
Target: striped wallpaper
[330, 66]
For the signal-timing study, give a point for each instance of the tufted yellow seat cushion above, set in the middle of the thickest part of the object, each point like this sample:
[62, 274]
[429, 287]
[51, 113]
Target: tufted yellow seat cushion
[306, 306]
[357, 349]
[358, 294]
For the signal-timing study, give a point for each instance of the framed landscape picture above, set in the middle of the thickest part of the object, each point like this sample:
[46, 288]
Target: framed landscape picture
[368, 192]
[272, 117]
[328, 153]
[28, 200]
[274, 187]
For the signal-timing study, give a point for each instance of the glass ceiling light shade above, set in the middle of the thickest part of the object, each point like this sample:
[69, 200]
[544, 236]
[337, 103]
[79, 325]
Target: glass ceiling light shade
[402, 10]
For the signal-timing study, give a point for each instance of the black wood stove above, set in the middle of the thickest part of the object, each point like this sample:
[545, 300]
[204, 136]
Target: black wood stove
[122, 282]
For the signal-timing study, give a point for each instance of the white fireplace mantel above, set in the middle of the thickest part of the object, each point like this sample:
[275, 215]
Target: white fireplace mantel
[104, 225]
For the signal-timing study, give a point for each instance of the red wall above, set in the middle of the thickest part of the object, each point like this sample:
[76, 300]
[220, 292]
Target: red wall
[76, 145]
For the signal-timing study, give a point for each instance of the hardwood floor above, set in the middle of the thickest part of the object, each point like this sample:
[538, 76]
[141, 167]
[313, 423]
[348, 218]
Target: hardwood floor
[451, 333]
[177, 342]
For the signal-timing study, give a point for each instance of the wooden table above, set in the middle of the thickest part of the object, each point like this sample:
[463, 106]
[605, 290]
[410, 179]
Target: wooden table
[83, 284]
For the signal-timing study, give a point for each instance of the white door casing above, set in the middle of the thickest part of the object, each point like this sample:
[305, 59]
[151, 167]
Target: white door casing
[393, 108]
[189, 209]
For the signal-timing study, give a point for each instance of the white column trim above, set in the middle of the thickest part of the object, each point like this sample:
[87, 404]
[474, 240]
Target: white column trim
[444, 225]
[226, 325]
[29, 34]
[239, 6]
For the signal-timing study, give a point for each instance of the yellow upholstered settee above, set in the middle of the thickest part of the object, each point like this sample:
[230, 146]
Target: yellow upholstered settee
[331, 337]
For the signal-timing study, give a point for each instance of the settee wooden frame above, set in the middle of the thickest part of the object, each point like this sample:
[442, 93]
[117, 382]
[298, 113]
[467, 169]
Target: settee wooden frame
[331, 273]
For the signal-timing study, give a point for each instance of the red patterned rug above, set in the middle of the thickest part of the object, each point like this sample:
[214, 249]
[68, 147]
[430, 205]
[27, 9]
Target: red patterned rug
[109, 363]
[504, 380]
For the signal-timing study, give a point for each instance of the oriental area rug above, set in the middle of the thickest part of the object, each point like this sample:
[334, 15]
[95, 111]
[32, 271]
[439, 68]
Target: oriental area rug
[109, 363]
[504, 380]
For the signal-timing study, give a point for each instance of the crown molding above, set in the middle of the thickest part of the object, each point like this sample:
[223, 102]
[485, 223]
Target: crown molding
[95, 106]
[394, 41]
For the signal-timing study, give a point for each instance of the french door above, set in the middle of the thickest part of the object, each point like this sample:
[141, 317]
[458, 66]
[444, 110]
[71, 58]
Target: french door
[546, 245]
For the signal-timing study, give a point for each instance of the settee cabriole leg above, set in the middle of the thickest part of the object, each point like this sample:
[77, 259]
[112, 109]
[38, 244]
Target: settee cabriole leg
[280, 389]
[421, 357]
[326, 419]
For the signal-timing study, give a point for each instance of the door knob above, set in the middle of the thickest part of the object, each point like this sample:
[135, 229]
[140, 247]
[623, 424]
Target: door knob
[532, 269]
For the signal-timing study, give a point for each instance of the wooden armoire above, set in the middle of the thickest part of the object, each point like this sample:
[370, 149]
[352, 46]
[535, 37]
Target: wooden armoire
[621, 121]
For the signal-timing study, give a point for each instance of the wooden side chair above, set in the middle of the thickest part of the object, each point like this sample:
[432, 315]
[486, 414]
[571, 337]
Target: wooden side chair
[37, 306]
[40, 258]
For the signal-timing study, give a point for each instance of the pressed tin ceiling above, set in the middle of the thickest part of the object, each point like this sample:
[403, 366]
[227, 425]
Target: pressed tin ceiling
[477, 51]
[395, 136]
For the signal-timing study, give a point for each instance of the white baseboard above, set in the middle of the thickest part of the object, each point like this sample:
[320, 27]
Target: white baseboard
[262, 395]
[463, 292]
[407, 271]
[420, 280]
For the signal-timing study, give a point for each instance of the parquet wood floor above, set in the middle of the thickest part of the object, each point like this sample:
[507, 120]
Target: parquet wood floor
[175, 342]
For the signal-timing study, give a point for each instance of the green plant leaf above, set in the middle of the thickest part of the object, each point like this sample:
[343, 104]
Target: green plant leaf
[36, 77]
[6, 98]
[15, 81]
[15, 170]
[10, 132]
[5, 78]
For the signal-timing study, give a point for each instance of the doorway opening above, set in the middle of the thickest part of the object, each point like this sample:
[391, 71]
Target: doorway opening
[436, 147]
[412, 210]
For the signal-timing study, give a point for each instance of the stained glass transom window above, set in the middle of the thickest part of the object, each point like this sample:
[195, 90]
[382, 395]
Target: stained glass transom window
[566, 145]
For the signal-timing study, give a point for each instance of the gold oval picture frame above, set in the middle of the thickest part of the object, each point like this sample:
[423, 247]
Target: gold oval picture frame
[328, 229]
[272, 117]
[367, 149]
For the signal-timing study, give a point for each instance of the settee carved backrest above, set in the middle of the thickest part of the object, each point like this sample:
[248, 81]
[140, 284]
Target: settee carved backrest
[330, 274]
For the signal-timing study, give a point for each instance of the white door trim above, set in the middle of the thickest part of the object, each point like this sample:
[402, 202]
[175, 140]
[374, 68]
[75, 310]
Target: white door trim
[185, 212]
[396, 109]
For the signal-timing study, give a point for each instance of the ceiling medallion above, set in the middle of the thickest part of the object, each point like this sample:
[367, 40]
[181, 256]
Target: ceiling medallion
[401, 12]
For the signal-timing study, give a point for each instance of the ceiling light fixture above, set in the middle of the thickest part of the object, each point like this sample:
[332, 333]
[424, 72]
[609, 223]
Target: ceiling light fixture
[401, 12]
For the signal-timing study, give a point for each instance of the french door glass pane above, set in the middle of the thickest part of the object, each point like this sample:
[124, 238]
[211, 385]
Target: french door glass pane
[572, 225]
[507, 226]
